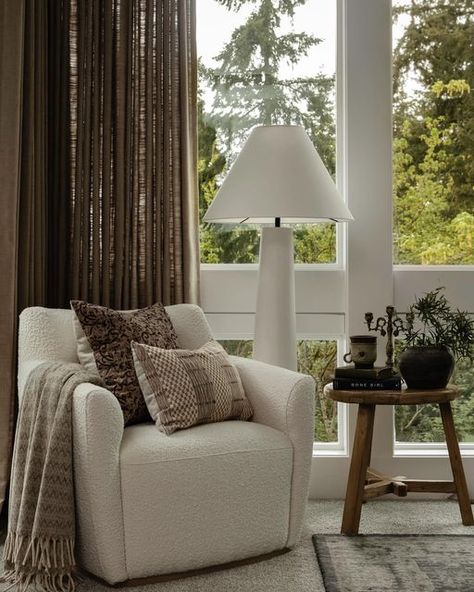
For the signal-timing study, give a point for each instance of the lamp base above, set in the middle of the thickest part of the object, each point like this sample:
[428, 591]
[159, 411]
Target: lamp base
[275, 321]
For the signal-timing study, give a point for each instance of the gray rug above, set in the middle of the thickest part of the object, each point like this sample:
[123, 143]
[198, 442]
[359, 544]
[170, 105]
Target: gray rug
[298, 571]
[396, 563]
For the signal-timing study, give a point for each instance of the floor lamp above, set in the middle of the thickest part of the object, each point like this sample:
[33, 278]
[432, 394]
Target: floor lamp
[278, 178]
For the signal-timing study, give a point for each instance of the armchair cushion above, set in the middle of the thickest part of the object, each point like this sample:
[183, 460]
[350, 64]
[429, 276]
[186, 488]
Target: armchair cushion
[183, 388]
[109, 333]
[203, 496]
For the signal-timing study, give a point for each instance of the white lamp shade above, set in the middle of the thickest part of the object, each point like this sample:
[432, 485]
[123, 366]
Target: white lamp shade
[278, 174]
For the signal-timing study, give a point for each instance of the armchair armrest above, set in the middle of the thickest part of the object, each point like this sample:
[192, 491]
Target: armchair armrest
[284, 400]
[97, 435]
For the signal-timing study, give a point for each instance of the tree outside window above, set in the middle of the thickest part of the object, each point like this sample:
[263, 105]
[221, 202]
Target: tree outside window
[258, 76]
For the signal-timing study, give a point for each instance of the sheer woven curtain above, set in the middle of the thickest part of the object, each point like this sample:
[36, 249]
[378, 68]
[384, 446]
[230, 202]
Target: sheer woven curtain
[98, 174]
[133, 139]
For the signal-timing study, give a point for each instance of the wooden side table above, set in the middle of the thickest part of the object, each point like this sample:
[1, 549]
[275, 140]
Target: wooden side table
[365, 483]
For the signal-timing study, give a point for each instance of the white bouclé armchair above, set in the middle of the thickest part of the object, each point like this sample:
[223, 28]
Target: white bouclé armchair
[149, 504]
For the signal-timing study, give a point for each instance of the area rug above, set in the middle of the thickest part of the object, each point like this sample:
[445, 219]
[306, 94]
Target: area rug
[396, 563]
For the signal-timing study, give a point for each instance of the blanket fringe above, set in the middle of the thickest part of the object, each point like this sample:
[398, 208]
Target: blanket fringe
[40, 581]
[46, 563]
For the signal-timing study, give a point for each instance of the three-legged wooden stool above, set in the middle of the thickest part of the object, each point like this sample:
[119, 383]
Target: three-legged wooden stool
[365, 483]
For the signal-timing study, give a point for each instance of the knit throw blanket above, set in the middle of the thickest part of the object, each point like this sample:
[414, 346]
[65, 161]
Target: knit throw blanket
[39, 548]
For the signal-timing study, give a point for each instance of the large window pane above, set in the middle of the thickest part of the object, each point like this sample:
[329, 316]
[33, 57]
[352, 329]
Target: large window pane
[263, 62]
[316, 358]
[433, 131]
[319, 358]
[422, 423]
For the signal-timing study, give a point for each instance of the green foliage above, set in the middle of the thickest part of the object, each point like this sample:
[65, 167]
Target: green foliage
[437, 51]
[431, 322]
[219, 243]
[434, 133]
[427, 229]
[318, 359]
[238, 347]
[248, 86]
[434, 169]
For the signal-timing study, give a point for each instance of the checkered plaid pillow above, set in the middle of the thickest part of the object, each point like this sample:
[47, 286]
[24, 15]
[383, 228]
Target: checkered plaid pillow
[183, 388]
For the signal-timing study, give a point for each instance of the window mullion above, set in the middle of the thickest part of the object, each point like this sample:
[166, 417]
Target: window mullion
[367, 138]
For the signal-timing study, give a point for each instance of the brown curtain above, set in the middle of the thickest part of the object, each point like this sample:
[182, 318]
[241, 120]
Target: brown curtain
[44, 166]
[11, 65]
[134, 205]
[98, 175]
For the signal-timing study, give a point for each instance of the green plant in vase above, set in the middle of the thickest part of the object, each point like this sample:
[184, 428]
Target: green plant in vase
[435, 335]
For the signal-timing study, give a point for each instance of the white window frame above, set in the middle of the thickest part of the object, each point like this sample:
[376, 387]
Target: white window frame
[334, 297]
[367, 61]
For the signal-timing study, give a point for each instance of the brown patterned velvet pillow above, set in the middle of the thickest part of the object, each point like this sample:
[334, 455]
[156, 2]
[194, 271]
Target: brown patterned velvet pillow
[109, 333]
[183, 388]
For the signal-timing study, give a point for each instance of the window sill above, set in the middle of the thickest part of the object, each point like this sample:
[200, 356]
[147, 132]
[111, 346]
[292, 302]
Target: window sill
[331, 450]
[254, 267]
[417, 268]
[429, 450]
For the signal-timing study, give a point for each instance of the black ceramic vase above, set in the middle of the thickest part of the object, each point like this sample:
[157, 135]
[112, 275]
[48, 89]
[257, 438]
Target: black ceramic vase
[426, 367]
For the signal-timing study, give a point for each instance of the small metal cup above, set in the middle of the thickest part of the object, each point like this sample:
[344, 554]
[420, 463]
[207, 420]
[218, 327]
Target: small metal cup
[363, 352]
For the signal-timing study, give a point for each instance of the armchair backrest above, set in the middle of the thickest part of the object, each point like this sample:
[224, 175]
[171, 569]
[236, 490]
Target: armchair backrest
[47, 334]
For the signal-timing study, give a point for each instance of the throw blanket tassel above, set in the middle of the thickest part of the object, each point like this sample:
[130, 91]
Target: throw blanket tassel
[46, 563]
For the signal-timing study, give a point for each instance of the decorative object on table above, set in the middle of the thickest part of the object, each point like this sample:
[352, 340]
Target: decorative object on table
[277, 178]
[364, 483]
[389, 325]
[395, 563]
[375, 373]
[363, 352]
[393, 382]
[362, 378]
[435, 335]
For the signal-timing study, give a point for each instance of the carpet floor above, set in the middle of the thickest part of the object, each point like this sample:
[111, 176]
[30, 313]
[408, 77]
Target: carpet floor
[298, 570]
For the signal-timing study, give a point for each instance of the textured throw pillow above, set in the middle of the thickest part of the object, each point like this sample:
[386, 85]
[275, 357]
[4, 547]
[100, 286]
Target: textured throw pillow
[183, 388]
[109, 334]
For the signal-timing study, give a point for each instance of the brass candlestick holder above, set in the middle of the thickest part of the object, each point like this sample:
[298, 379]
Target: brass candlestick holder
[390, 325]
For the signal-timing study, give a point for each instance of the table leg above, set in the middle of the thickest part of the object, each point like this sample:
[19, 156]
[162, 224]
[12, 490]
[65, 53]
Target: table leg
[358, 471]
[456, 464]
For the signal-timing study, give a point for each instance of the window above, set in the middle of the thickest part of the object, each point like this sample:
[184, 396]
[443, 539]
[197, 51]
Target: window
[433, 132]
[316, 358]
[433, 149]
[268, 62]
[331, 300]
[422, 423]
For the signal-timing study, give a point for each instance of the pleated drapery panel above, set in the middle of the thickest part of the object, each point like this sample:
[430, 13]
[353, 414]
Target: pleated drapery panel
[44, 196]
[98, 173]
[33, 190]
[11, 69]
[134, 218]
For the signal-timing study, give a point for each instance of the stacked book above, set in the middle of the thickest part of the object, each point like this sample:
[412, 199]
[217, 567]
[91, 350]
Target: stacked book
[371, 379]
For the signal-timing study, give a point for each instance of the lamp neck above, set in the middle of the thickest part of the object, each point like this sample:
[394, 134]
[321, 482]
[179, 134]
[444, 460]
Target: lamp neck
[277, 222]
